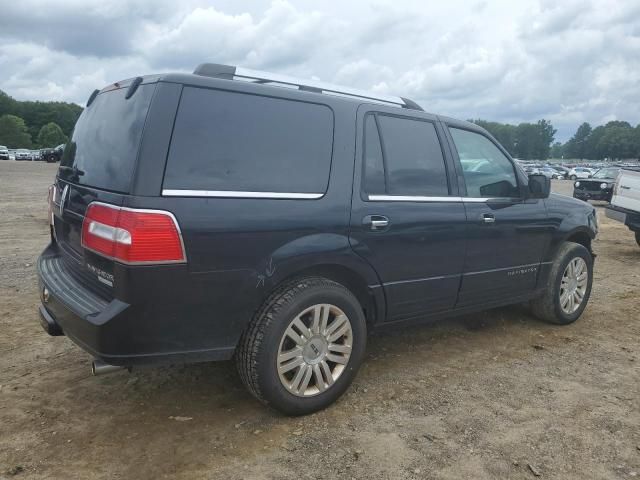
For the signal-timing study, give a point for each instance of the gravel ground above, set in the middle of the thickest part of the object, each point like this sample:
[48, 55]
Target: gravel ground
[493, 395]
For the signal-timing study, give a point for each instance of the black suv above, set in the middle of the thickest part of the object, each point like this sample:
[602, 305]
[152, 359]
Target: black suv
[52, 155]
[233, 213]
[598, 187]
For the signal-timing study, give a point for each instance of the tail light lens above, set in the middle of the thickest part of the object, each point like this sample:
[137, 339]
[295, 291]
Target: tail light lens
[132, 236]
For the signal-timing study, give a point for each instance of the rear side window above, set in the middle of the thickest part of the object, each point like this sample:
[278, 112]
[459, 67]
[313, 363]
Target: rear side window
[104, 146]
[411, 157]
[227, 141]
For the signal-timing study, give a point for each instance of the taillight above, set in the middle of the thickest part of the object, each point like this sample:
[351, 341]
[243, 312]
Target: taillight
[132, 236]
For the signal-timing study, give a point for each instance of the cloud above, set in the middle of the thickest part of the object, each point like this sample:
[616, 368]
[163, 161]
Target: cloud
[570, 62]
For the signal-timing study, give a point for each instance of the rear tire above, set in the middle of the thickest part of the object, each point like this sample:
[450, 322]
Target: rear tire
[567, 291]
[638, 238]
[294, 327]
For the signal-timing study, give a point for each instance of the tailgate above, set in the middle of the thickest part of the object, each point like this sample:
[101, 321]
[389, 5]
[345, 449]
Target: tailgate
[98, 165]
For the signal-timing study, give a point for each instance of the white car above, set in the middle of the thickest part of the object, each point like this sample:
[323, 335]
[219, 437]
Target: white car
[4, 153]
[580, 172]
[23, 154]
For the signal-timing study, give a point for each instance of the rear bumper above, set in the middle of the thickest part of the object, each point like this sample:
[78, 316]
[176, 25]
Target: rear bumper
[108, 329]
[630, 218]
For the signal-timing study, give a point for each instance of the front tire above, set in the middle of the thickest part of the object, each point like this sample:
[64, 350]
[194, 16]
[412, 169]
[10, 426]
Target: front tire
[304, 346]
[568, 286]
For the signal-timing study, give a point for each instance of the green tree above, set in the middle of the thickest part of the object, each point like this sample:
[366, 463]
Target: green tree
[557, 150]
[617, 142]
[38, 114]
[51, 135]
[14, 132]
[577, 146]
[504, 133]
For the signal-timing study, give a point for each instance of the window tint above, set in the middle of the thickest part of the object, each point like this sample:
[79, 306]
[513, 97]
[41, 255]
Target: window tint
[105, 140]
[374, 181]
[412, 157]
[238, 142]
[487, 171]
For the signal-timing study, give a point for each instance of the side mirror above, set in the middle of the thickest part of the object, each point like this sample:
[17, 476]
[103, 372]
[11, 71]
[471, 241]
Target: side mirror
[539, 186]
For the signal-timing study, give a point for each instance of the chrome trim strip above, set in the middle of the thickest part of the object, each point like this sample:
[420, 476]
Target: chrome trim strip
[502, 269]
[234, 194]
[325, 87]
[418, 198]
[428, 279]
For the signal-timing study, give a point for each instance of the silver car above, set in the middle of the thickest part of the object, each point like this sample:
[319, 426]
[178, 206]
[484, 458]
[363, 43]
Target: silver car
[23, 154]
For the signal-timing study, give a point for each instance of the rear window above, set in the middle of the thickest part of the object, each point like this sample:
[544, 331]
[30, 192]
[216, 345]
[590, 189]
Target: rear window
[226, 141]
[403, 157]
[104, 146]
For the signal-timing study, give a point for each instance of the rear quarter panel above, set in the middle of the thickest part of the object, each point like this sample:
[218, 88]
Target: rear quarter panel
[239, 249]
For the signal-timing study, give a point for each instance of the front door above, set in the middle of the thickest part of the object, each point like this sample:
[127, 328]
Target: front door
[407, 220]
[507, 233]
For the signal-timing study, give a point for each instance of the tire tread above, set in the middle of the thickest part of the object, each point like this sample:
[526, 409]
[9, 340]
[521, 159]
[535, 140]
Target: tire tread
[251, 339]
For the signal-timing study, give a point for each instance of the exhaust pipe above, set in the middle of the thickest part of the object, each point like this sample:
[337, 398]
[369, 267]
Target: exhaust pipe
[98, 367]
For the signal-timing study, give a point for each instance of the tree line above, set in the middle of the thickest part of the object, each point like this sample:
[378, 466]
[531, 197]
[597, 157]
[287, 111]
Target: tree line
[526, 141]
[616, 140]
[29, 124]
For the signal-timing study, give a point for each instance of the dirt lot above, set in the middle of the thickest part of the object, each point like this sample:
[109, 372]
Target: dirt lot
[495, 395]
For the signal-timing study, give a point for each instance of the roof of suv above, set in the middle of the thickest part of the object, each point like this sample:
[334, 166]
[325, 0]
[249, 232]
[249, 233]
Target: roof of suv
[208, 74]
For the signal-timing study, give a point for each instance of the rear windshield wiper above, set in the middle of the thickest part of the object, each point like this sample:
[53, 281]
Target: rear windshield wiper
[75, 171]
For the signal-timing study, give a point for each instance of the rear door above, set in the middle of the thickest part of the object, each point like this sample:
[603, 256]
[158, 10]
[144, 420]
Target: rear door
[407, 220]
[506, 232]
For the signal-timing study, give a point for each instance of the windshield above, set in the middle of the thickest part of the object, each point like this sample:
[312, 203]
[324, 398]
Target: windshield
[104, 146]
[606, 173]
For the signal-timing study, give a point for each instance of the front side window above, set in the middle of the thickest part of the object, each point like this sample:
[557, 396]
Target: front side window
[403, 157]
[236, 142]
[487, 171]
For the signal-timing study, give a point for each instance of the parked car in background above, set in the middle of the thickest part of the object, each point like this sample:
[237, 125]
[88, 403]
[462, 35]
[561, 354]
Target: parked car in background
[36, 155]
[23, 154]
[273, 226]
[4, 153]
[580, 172]
[551, 172]
[598, 187]
[563, 171]
[625, 204]
[51, 155]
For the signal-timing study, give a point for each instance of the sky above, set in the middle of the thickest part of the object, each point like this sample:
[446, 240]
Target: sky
[510, 61]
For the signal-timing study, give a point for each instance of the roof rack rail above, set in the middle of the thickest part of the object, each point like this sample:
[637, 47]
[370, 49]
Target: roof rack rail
[231, 73]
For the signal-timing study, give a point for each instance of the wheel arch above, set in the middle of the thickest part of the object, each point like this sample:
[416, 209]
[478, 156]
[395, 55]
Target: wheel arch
[581, 235]
[354, 281]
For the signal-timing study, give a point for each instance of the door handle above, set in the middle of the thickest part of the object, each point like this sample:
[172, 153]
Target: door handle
[376, 222]
[488, 218]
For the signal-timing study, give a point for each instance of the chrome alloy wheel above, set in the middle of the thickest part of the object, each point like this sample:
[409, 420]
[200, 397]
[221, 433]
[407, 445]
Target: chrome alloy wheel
[573, 285]
[314, 350]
